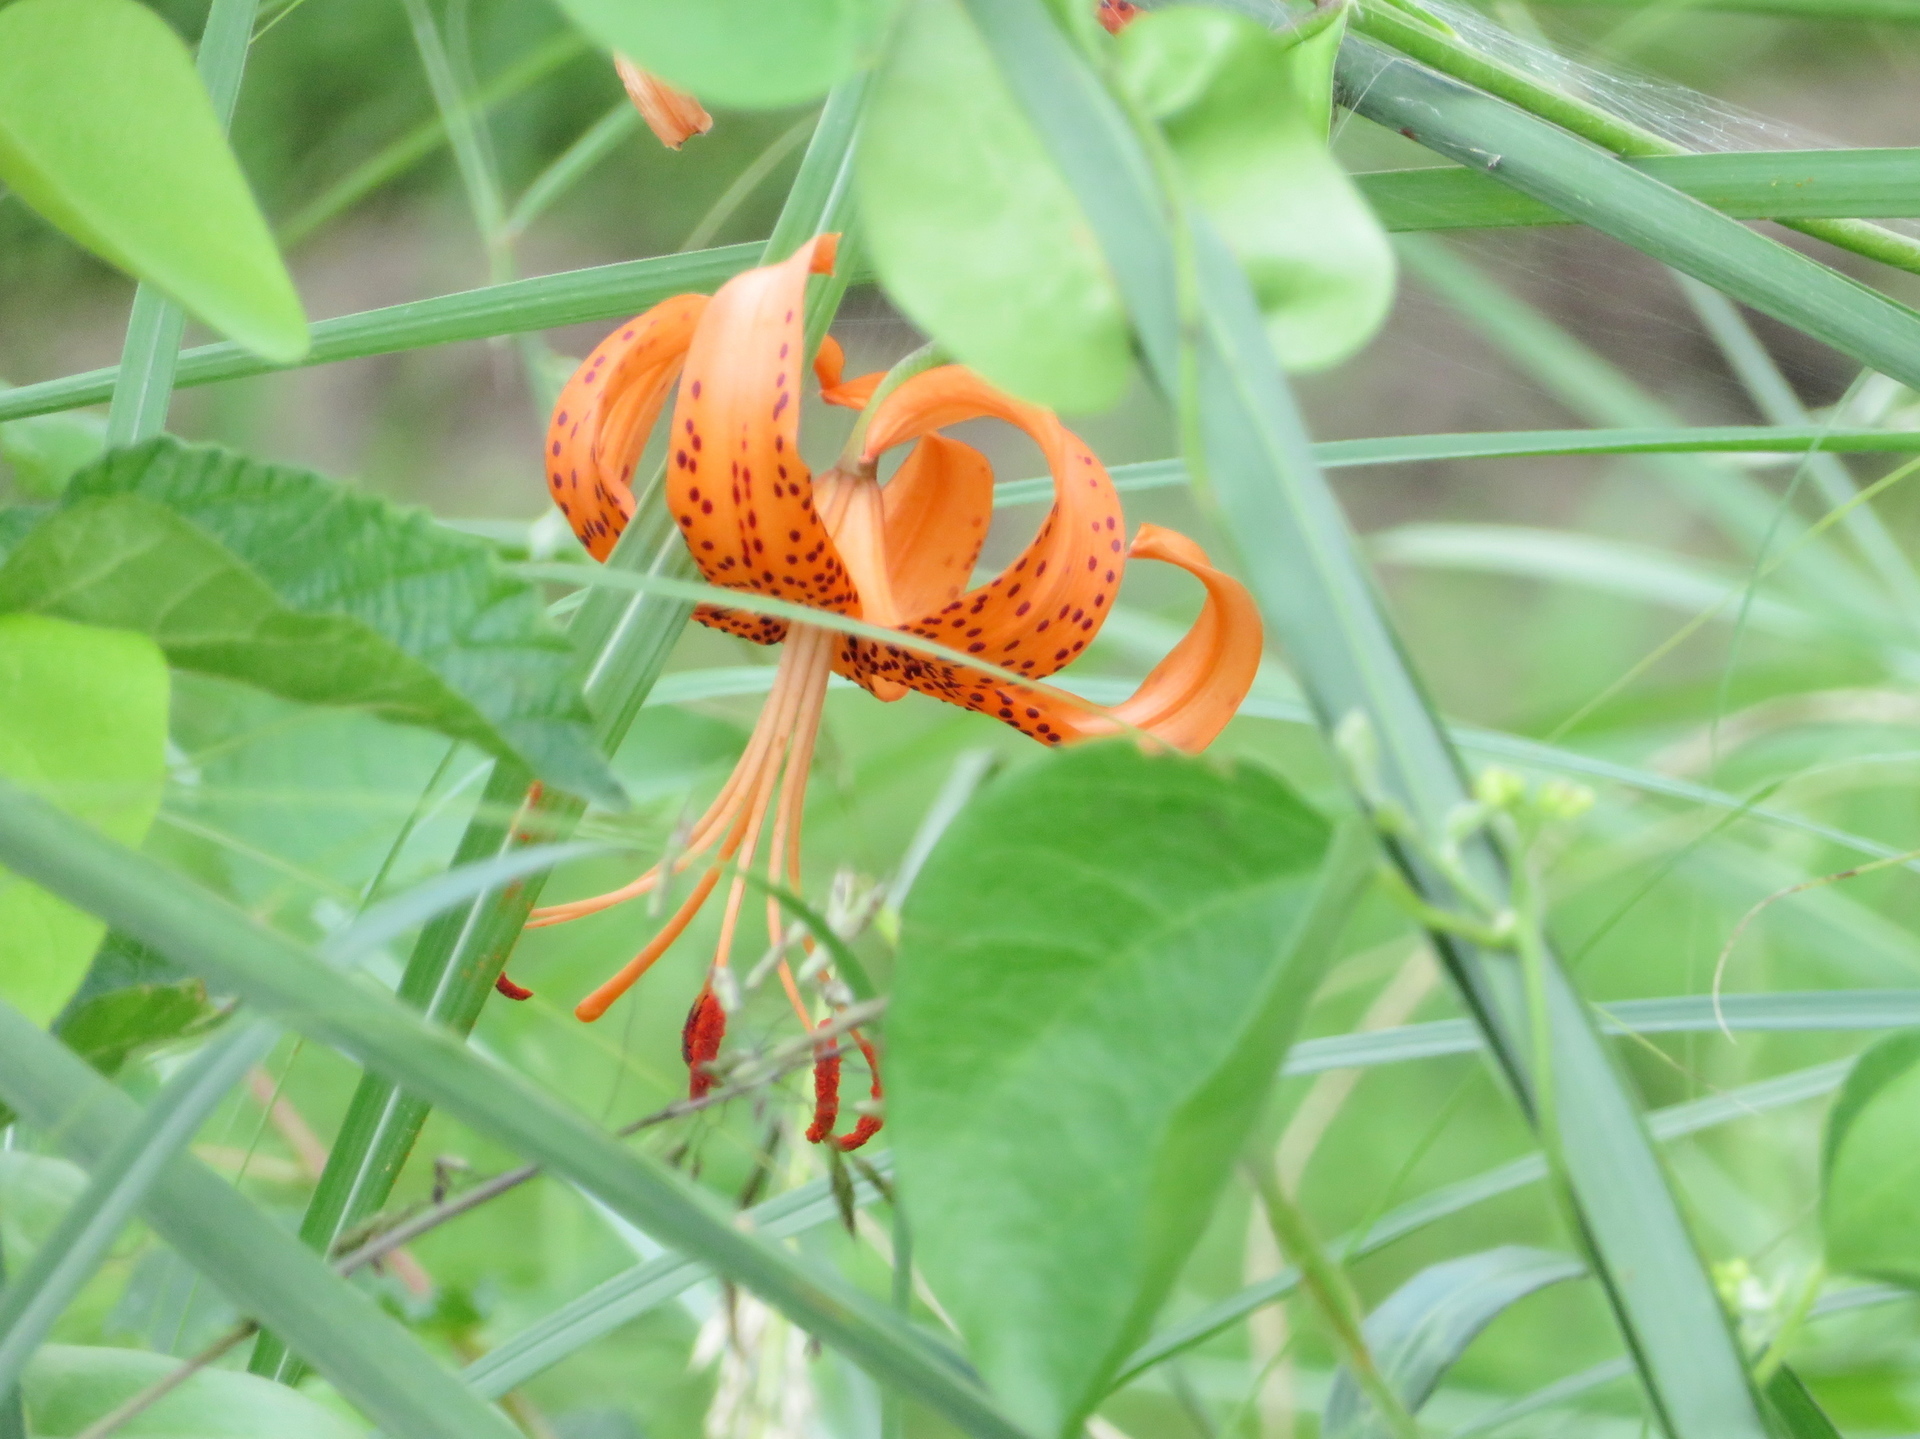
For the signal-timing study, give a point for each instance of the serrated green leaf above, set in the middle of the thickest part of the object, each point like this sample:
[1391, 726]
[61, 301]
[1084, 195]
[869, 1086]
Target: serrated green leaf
[83, 721]
[971, 228]
[749, 53]
[1096, 981]
[1870, 1175]
[44, 451]
[288, 581]
[106, 130]
[130, 998]
[1246, 115]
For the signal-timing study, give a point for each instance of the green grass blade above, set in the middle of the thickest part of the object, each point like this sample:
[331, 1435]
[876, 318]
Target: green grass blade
[572, 164]
[201, 932]
[30, 1306]
[402, 154]
[1757, 185]
[374, 1362]
[454, 965]
[1600, 190]
[627, 1296]
[1896, 12]
[603, 292]
[143, 391]
[1668, 1124]
[1815, 1011]
[1319, 603]
[1594, 388]
[1775, 399]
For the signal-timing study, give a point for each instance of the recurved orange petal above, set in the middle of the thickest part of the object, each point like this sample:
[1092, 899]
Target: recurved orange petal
[673, 115]
[850, 394]
[602, 419]
[1191, 694]
[735, 482]
[1045, 608]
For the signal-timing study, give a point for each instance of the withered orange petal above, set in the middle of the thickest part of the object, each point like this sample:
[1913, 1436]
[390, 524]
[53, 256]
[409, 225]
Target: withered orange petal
[1191, 694]
[735, 480]
[1046, 607]
[603, 416]
[828, 366]
[673, 115]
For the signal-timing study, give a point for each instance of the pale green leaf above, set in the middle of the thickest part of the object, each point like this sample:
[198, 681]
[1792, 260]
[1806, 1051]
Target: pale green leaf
[1097, 978]
[1246, 115]
[738, 52]
[83, 720]
[971, 228]
[106, 130]
[1870, 1191]
[67, 1387]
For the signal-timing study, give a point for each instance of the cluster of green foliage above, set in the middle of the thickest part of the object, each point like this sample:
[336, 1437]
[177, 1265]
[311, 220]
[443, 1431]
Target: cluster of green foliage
[285, 766]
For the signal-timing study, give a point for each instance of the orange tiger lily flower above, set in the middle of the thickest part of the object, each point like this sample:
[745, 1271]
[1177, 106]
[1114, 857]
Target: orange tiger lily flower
[897, 555]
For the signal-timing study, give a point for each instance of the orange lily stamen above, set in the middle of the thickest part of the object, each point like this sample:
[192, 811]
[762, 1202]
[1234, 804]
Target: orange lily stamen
[897, 555]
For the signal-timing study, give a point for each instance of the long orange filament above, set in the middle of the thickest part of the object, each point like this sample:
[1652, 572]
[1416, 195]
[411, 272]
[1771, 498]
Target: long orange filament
[773, 768]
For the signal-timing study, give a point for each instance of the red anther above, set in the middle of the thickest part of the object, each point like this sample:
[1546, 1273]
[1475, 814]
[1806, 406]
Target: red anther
[1116, 15]
[826, 1091]
[509, 988]
[700, 1040]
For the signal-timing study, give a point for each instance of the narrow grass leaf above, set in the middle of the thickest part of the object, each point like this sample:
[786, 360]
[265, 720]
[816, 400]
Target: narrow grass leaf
[69, 1387]
[1422, 1328]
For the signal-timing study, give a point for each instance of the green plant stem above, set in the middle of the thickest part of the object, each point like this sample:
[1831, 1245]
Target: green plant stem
[1327, 1287]
[744, 184]
[13, 1415]
[143, 390]
[1450, 55]
[456, 961]
[1794, 1320]
[600, 140]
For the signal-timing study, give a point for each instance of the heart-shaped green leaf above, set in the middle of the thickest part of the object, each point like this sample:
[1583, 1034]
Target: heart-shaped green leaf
[747, 53]
[83, 720]
[106, 130]
[971, 228]
[286, 580]
[1101, 966]
[1246, 114]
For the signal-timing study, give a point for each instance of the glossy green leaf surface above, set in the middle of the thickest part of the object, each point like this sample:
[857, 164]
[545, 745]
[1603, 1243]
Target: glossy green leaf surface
[70, 1386]
[1245, 114]
[738, 52]
[1870, 1179]
[83, 721]
[1101, 964]
[106, 130]
[296, 584]
[972, 230]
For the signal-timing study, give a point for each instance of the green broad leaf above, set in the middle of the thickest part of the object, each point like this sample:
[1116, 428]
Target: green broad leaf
[83, 721]
[286, 580]
[1870, 1175]
[972, 230]
[130, 1000]
[106, 130]
[1422, 1328]
[1101, 966]
[747, 53]
[1246, 113]
[44, 451]
[67, 1387]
